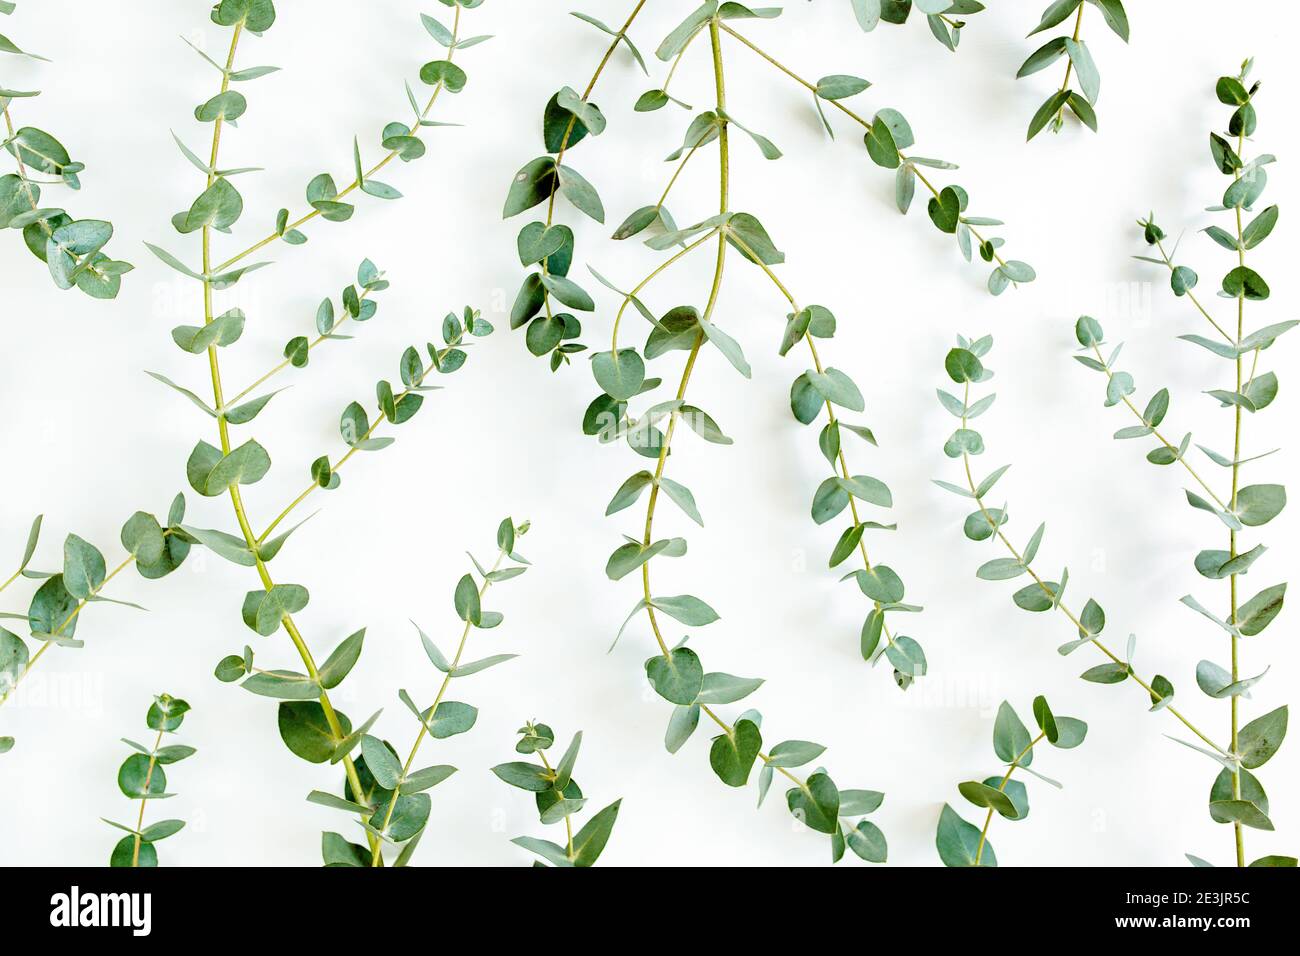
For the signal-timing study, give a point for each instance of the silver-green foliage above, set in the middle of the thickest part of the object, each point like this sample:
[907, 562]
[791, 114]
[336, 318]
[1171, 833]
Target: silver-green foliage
[962, 844]
[942, 16]
[676, 672]
[549, 297]
[1079, 63]
[392, 798]
[1236, 796]
[885, 137]
[141, 777]
[1256, 743]
[558, 798]
[57, 604]
[309, 723]
[548, 294]
[71, 248]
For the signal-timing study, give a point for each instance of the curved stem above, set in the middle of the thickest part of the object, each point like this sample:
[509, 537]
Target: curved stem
[672, 70]
[591, 85]
[236, 499]
[830, 415]
[618, 316]
[724, 198]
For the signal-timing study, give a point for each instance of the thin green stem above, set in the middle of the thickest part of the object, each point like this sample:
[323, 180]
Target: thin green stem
[1053, 597]
[839, 105]
[830, 415]
[72, 616]
[724, 199]
[1191, 297]
[374, 427]
[1006, 777]
[139, 821]
[27, 182]
[332, 333]
[1238, 836]
[672, 70]
[1069, 67]
[568, 823]
[236, 499]
[591, 85]
[376, 858]
[627, 299]
[672, 181]
[356, 183]
[10, 580]
[1161, 438]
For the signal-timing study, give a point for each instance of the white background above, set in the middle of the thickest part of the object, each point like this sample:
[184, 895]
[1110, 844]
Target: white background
[88, 438]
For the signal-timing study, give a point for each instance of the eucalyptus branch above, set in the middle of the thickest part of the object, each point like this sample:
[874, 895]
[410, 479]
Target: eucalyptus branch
[58, 603]
[1236, 796]
[1079, 63]
[813, 391]
[357, 306]
[392, 794]
[676, 673]
[939, 14]
[962, 844]
[567, 119]
[309, 723]
[141, 777]
[886, 136]
[72, 249]
[399, 140]
[355, 426]
[558, 797]
[1256, 742]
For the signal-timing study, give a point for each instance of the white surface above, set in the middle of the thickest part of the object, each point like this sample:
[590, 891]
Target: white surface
[89, 438]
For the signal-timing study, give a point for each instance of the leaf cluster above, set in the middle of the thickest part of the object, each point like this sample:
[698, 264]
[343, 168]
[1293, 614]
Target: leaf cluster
[558, 798]
[963, 844]
[72, 249]
[142, 777]
[1080, 103]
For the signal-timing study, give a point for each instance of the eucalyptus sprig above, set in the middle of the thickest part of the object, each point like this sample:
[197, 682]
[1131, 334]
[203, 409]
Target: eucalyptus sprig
[886, 135]
[392, 800]
[72, 249]
[943, 16]
[1253, 746]
[676, 672]
[567, 119]
[558, 798]
[1079, 63]
[1237, 796]
[963, 844]
[142, 778]
[58, 602]
[309, 723]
